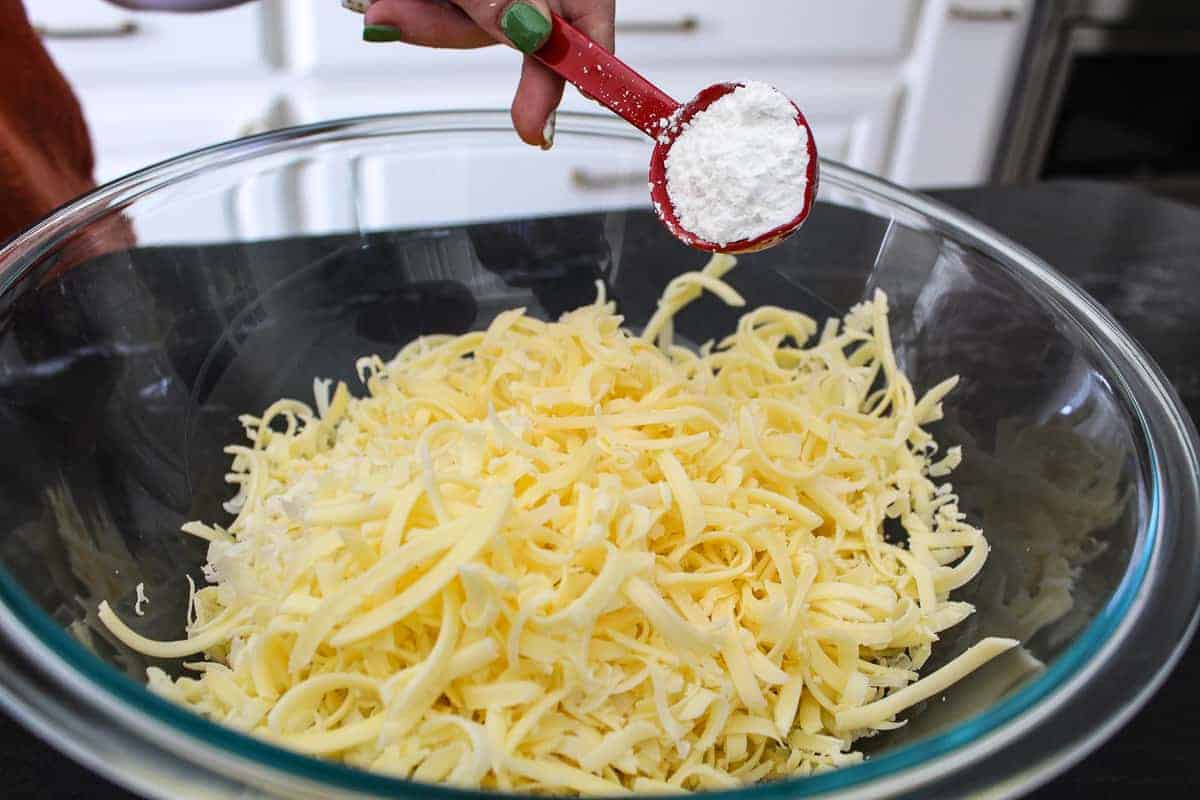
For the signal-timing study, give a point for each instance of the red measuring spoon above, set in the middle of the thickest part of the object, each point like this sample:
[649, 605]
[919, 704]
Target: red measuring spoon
[619, 88]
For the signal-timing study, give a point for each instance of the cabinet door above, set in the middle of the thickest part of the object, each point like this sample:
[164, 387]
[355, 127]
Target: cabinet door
[94, 40]
[962, 75]
[135, 126]
[244, 208]
[648, 31]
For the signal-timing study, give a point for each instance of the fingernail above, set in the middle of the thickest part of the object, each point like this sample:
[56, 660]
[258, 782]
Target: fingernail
[548, 130]
[357, 6]
[380, 33]
[525, 27]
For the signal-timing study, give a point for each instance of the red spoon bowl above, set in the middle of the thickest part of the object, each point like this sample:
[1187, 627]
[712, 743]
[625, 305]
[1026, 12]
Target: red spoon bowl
[614, 84]
[662, 199]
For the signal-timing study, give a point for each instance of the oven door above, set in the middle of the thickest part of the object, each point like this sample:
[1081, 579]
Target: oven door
[1109, 90]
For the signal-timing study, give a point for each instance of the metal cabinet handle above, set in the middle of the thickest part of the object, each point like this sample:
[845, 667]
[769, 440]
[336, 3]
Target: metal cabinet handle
[583, 179]
[689, 23]
[968, 14]
[121, 30]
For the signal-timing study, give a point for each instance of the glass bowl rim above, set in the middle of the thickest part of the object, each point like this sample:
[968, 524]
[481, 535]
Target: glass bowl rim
[148, 715]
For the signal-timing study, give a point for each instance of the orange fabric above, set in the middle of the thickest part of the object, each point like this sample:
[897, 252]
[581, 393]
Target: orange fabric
[45, 152]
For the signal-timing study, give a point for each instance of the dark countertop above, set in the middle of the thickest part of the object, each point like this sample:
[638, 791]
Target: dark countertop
[1138, 255]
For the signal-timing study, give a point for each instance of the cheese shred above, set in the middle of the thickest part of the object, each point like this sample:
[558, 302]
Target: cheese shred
[555, 557]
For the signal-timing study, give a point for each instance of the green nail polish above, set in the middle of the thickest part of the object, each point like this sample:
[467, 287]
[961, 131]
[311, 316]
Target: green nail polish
[380, 33]
[525, 27]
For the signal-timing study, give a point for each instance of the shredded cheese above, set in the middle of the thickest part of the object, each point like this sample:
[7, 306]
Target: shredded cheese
[558, 557]
[140, 600]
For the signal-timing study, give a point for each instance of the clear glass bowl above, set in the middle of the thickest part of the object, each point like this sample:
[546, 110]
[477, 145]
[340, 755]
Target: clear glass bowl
[139, 321]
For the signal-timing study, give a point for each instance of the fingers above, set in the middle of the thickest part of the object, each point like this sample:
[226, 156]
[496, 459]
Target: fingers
[525, 24]
[538, 94]
[594, 17]
[422, 22]
[540, 89]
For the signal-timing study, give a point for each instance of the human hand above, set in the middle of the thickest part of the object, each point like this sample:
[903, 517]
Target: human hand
[523, 24]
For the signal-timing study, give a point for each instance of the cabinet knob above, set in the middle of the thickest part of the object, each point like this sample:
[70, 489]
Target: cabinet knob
[964, 13]
[586, 179]
[688, 23]
[120, 30]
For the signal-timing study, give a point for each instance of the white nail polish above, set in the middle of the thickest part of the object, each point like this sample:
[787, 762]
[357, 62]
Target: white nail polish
[357, 6]
[548, 131]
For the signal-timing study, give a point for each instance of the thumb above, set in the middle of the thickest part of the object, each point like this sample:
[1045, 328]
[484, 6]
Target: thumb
[525, 24]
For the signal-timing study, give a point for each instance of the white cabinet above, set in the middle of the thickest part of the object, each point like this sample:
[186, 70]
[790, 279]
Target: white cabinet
[692, 31]
[852, 111]
[476, 184]
[133, 125]
[92, 40]
[912, 90]
[961, 77]
[653, 31]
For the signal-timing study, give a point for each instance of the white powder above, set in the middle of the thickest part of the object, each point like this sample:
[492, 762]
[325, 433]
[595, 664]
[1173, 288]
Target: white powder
[740, 167]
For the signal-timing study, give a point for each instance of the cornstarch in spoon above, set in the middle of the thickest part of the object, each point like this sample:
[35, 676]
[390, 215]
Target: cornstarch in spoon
[740, 167]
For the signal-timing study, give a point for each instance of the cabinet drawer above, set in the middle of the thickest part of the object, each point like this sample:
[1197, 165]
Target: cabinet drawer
[390, 186]
[688, 31]
[656, 31]
[256, 208]
[852, 111]
[94, 39]
[852, 115]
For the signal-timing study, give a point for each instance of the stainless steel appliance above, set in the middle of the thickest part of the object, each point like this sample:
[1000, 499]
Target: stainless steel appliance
[1108, 89]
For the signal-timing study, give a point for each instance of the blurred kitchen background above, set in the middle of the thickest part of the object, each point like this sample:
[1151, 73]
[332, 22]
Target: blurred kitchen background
[928, 93]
